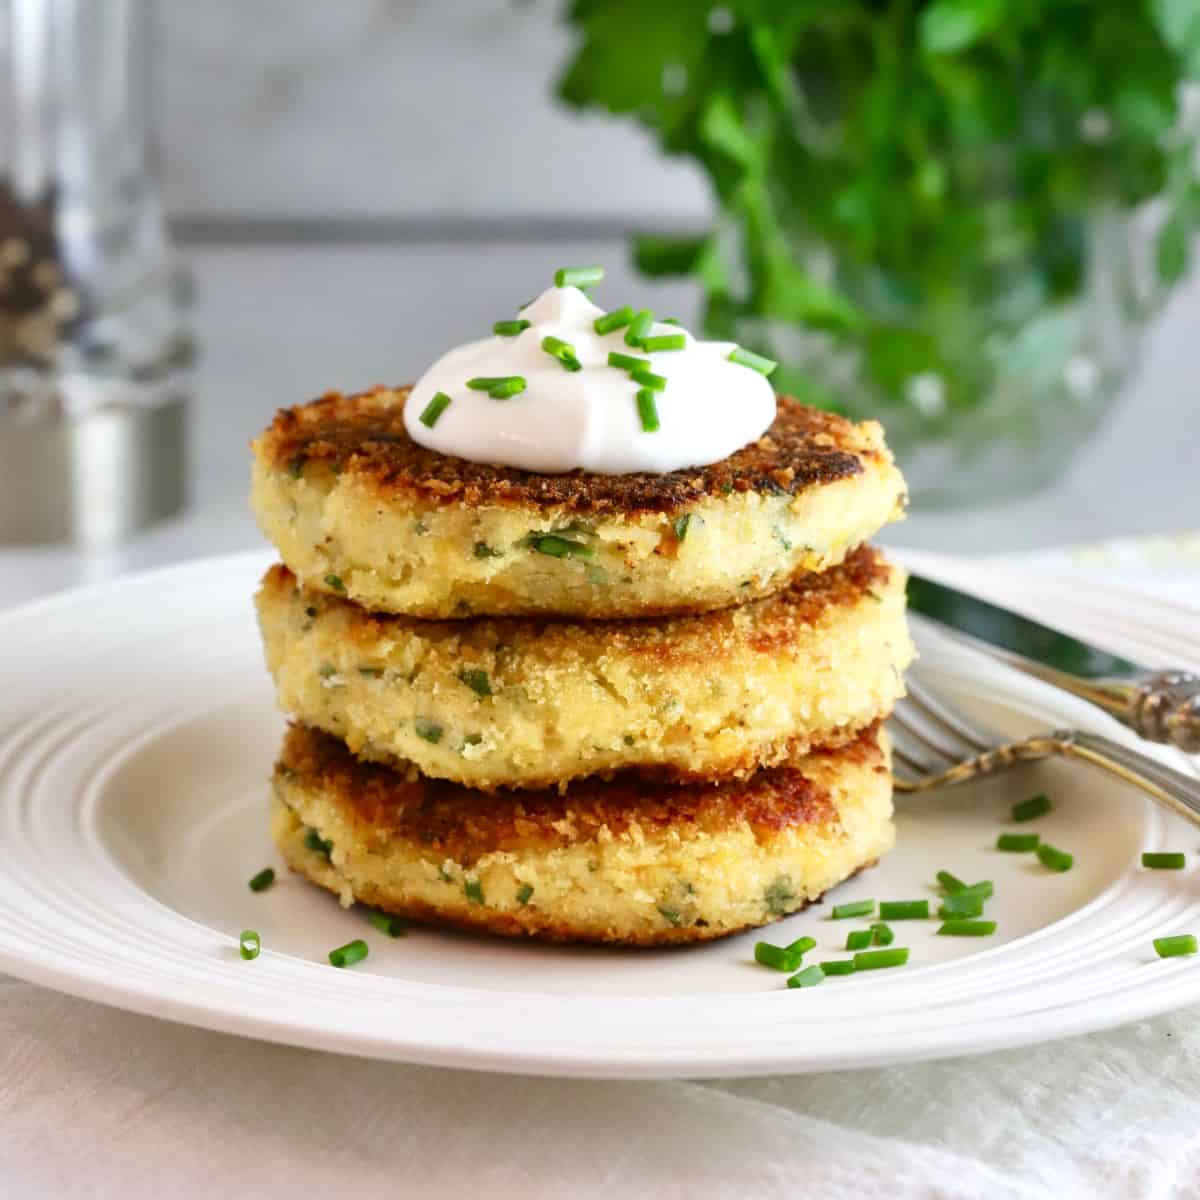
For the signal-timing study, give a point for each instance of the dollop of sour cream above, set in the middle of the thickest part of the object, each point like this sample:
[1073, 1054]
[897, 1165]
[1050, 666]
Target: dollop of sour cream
[589, 419]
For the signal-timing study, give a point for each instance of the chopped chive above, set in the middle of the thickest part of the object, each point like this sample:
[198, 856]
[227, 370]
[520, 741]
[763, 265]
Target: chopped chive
[1035, 806]
[524, 892]
[474, 890]
[680, 525]
[983, 889]
[855, 908]
[434, 409]
[580, 277]
[612, 321]
[388, 923]
[665, 341]
[510, 328]
[499, 387]
[477, 680]
[563, 351]
[802, 945]
[809, 977]
[316, 843]
[756, 362]
[263, 880]
[781, 958]
[858, 939]
[1175, 947]
[874, 960]
[1166, 861]
[838, 966]
[627, 362]
[335, 582]
[349, 954]
[950, 883]
[962, 928]
[1018, 843]
[249, 944]
[427, 730]
[964, 904]
[647, 378]
[904, 910]
[647, 408]
[559, 547]
[1055, 859]
[883, 934]
[670, 321]
[639, 327]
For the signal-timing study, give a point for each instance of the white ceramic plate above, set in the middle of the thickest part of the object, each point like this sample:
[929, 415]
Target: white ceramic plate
[137, 731]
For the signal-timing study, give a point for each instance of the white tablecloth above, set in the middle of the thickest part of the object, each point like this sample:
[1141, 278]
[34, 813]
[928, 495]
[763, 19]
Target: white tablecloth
[96, 1102]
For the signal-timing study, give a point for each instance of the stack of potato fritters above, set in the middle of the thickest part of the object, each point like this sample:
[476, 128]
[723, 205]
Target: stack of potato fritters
[625, 708]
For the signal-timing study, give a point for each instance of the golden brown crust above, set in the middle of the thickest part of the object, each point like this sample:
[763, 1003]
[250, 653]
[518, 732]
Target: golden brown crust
[364, 435]
[463, 824]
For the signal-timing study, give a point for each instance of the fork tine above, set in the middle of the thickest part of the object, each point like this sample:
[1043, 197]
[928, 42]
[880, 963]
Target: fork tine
[929, 705]
[933, 750]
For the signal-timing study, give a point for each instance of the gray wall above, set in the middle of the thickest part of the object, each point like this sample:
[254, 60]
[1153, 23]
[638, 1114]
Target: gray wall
[393, 109]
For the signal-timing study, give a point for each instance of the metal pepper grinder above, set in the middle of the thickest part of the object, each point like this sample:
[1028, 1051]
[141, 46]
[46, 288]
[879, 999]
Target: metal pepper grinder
[94, 351]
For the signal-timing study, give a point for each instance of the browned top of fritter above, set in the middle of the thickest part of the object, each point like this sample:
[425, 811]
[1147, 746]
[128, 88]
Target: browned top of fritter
[364, 435]
[768, 626]
[463, 824]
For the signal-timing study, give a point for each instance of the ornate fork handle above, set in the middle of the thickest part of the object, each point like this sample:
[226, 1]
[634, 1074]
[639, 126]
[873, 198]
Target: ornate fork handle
[1172, 788]
[1161, 706]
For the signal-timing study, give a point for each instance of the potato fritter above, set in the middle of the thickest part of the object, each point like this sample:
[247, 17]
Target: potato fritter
[358, 509]
[525, 702]
[623, 861]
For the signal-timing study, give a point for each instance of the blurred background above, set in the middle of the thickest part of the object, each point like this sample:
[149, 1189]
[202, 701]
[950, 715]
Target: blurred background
[968, 218]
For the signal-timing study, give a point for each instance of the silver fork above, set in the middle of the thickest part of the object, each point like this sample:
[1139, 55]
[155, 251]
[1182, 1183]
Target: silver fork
[935, 746]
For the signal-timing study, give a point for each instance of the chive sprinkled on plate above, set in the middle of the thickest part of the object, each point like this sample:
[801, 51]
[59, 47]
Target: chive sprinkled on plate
[1055, 859]
[639, 327]
[388, 923]
[563, 351]
[962, 904]
[349, 954]
[510, 328]
[859, 939]
[434, 409]
[665, 341]
[904, 910]
[961, 927]
[809, 977]
[983, 889]
[1175, 946]
[950, 883]
[580, 277]
[838, 966]
[647, 408]
[779, 958]
[612, 321]
[802, 945]
[627, 362]
[249, 944]
[882, 934]
[854, 908]
[1164, 860]
[1035, 806]
[262, 880]
[1018, 843]
[648, 379]
[875, 960]
[756, 362]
